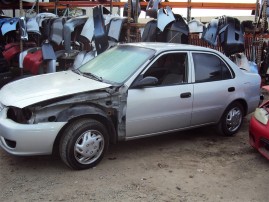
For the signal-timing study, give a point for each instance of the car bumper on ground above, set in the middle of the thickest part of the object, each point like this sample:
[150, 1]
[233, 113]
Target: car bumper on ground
[259, 136]
[27, 139]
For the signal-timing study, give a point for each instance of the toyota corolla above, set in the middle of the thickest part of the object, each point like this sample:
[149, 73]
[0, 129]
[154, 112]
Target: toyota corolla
[129, 91]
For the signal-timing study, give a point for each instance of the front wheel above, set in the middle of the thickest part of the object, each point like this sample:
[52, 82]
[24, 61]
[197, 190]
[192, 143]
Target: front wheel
[231, 120]
[83, 144]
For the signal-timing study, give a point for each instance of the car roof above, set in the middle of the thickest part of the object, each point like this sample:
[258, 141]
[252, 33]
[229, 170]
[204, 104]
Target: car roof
[160, 47]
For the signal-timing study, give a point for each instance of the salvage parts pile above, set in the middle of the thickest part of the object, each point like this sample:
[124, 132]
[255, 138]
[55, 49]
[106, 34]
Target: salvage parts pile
[53, 43]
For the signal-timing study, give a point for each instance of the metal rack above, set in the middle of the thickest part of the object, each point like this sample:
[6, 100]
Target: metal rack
[260, 18]
[193, 5]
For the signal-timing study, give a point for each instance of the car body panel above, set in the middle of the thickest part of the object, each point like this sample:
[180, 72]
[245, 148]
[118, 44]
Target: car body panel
[164, 17]
[161, 105]
[210, 33]
[9, 25]
[23, 30]
[195, 26]
[32, 90]
[40, 17]
[32, 25]
[100, 35]
[206, 110]
[115, 28]
[88, 29]
[39, 138]
[47, 51]
[152, 8]
[231, 35]
[56, 33]
[69, 27]
[24, 53]
[129, 111]
[149, 32]
[32, 61]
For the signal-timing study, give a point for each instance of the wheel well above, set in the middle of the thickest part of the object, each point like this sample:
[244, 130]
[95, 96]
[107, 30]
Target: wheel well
[111, 129]
[242, 102]
[244, 105]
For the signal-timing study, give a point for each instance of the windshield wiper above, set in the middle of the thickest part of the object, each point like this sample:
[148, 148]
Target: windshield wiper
[77, 71]
[91, 75]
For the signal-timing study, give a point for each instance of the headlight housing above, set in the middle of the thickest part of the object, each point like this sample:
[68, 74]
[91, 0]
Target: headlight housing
[261, 115]
[19, 115]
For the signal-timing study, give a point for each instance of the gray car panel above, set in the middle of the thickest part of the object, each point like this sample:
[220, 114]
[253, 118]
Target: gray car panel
[165, 16]
[56, 33]
[152, 8]
[206, 110]
[88, 29]
[68, 28]
[167, 104]
[47, 51]
[23, 30]
[115, 27]
[32, 25]
[2, 21]
[210, 33]
[156, 110]
[9, 25]
[100, 35]
[42, 16]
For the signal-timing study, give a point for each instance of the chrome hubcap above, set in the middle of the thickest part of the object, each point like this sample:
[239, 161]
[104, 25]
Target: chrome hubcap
[234, 119]
[89, 147]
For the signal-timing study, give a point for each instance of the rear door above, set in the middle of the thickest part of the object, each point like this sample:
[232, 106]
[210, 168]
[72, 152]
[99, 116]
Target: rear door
[214, 87]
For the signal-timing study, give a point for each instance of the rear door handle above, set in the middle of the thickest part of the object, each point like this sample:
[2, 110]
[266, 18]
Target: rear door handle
[185, 95]
[231, 89]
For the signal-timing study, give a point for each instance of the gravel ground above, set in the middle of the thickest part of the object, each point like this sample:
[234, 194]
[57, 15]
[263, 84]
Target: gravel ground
[197, 165]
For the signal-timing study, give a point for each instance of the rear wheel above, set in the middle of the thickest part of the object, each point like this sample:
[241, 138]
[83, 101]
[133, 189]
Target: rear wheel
[83, 144]
[231, 120]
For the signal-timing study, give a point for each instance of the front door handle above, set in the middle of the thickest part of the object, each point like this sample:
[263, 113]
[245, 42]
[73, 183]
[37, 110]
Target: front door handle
[231, 89]
[185, 95]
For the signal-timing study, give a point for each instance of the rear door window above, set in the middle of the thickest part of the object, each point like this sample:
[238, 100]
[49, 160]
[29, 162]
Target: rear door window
[209, 67]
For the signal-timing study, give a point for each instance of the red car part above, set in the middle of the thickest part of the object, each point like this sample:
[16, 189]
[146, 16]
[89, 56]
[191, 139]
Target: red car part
[259, 132]
[11, 50]
[32, 62]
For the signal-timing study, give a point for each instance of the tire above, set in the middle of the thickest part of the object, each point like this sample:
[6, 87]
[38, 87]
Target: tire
[231, 120]
[83, 144]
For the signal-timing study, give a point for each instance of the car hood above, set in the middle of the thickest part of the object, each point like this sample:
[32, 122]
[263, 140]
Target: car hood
[31, 90]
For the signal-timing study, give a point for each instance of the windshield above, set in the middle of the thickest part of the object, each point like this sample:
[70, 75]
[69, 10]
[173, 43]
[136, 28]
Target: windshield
[117, 64]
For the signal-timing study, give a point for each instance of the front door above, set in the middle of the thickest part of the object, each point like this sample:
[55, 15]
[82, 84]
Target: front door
[166, 106]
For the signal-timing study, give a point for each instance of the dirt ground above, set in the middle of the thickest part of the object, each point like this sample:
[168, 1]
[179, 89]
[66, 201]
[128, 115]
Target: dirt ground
[197, 165]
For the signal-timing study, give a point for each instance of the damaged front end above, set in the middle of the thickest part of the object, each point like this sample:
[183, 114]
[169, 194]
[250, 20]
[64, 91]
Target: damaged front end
[40, 125]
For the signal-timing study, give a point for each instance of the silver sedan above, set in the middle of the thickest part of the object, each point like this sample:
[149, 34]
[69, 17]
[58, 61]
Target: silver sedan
[130, 91]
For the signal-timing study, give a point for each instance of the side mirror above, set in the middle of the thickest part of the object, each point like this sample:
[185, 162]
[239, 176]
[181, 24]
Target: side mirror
[147, 81]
